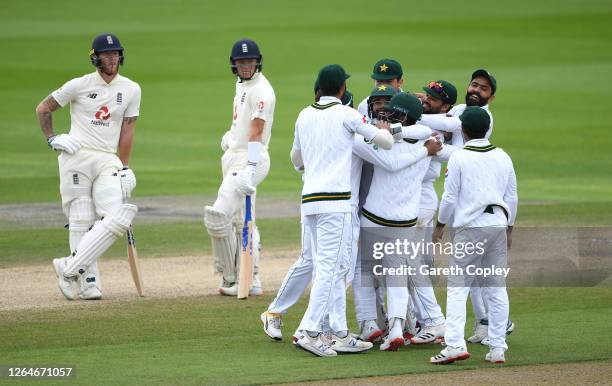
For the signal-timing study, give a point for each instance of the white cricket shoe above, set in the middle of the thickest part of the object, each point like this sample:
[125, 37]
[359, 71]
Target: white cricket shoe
[496, 355]
[272, 325]
[449, 355]
[509, 330]
[369, 331]
[316, 345]
[349, 344]
[395, 339]
[67, 285]
[481, 331]
[431, 334]
[89, 289]
[228, 289]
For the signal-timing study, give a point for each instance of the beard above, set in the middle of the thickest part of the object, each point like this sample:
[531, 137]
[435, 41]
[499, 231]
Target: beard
[110, 69]
[477, 101]
[428, 109]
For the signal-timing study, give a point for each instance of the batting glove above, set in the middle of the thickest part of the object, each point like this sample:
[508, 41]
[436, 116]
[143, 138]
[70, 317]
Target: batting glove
[245, 180]
[64, 142]
[128, 182]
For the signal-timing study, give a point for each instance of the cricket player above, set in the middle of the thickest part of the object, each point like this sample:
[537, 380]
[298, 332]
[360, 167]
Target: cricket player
[392, 203]
[480, 196]
[324, 134]
[245, 164]
[300, 274]
[480, 92]
[385, 72]
[95, 181]
[369, 299]
[439, 98]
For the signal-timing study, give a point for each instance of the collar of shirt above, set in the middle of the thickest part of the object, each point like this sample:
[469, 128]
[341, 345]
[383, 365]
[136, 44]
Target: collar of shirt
[101, 81]
[251, 81]
[480, 142]
[325, 100]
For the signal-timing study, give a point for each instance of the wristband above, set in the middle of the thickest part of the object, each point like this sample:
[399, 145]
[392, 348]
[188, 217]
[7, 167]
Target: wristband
[254, 152]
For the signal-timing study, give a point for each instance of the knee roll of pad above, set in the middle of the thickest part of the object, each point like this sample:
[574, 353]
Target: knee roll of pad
[217, 223]
[120, 221]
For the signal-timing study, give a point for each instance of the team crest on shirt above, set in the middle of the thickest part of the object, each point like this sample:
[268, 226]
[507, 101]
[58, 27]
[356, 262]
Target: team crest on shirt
[102, 115]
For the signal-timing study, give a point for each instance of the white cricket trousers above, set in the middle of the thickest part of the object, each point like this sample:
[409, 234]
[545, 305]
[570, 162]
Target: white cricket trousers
[300, 274]
[496, 296]
[333, 240]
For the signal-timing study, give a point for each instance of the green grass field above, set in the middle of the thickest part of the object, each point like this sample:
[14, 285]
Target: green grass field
[553, 63]
[216, 341]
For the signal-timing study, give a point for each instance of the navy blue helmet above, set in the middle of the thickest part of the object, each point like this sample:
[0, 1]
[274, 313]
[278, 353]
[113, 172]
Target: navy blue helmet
[104, 43]
[245, 49]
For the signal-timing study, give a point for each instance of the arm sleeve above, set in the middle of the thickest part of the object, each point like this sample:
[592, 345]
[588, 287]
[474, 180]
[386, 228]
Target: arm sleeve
[296, 151]
[416, 131]
[133, 109]
[67, 93]
[263, 103]
[356, 123]
[441, 122]
[384, 159]
[511, 197]
[452, 184]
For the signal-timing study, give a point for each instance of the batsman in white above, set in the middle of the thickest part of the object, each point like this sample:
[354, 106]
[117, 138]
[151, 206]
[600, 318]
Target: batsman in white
[95, 182]
[245, 164]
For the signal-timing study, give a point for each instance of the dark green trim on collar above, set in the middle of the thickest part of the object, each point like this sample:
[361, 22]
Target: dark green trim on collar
[323, 107]
[480, 149]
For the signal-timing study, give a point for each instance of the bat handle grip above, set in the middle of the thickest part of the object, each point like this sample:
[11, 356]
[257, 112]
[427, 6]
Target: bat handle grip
[247, 208]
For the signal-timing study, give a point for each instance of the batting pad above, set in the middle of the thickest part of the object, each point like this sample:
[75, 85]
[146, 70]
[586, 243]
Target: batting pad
[99, 239]
[81, 217]
[224, 242]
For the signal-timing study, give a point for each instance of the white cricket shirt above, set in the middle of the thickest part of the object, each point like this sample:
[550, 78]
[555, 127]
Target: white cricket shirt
[254, 99]
[97, 108]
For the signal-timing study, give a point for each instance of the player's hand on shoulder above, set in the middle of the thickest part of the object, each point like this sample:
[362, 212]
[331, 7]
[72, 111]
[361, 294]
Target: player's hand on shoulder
[245, 180]
[128, 181]
[64, 142]
[433, 146]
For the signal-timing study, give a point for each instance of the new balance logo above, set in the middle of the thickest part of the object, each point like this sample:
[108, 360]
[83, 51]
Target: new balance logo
[92, 95]
[119, 98]
[75, 179]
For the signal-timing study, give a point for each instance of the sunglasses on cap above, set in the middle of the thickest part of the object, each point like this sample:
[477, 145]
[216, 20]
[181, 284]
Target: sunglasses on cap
[438, 88]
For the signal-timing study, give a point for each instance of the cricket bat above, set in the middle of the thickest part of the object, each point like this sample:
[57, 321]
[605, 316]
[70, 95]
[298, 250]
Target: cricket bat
[246, 258]
[133, 261]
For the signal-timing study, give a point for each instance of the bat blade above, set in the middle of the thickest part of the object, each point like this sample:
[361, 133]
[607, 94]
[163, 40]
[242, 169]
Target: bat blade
[246, 258]
[133, 261]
